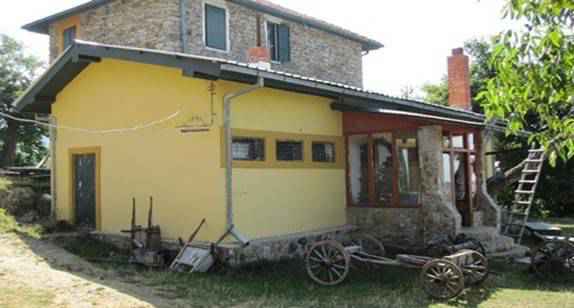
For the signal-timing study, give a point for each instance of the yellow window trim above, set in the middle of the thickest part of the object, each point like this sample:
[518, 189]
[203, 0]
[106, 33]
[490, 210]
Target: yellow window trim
[271, 161]
[97, 151]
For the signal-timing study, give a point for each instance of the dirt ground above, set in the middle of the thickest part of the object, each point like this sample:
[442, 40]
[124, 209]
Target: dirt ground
[39, 274]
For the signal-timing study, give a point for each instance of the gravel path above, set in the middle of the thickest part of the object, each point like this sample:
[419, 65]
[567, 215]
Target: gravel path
[39, 274]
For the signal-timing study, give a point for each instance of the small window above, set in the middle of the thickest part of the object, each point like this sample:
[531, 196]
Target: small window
[279, 42]
[215, 27]
[323, 152]
[69, 35]
[289, 151]
[248, 149]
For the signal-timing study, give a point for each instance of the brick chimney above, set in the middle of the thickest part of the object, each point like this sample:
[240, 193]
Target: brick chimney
[459, 80]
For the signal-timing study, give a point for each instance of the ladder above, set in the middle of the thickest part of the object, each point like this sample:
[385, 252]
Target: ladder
[524, 194]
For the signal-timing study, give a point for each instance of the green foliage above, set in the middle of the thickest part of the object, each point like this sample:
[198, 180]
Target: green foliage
[534, 85]
[8, 224]
[437, 93]
[17, 70]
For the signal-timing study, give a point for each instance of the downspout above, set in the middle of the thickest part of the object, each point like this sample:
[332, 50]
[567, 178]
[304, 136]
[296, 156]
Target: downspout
[228, 136]
[53, 160]
[183, 26]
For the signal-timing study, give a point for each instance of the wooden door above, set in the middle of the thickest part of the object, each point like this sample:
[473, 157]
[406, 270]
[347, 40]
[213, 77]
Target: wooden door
[84, 186]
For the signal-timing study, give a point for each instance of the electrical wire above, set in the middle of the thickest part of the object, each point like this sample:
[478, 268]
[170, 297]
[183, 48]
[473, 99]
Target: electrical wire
[92, 131]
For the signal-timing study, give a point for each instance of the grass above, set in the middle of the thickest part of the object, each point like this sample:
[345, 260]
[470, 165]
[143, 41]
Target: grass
[4, 184]
[8, 224]
[24, 297]
[286, 285]
[566, 223]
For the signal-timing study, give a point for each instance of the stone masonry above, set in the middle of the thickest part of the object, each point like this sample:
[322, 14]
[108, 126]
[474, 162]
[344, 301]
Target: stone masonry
[155, 24]
[440, 216]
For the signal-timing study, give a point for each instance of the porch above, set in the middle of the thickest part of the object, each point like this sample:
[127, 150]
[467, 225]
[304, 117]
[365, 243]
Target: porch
[413, 179]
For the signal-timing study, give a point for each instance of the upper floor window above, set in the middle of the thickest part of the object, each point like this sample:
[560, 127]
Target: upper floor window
[216, 34]
[279, 42]
[68, 36]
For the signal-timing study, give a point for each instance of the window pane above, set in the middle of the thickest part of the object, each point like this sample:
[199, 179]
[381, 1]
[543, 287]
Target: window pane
[284, 43]
[447, 177]
[458, 141]
[248, 149]
[446, 142]
[460, 177]
[69, 36]
[323, 152]
[215, 27]
[272, 38]
[471, 141]
[358, 168]
[473, 179]
[409, 174]
[384, 168]
[289, 150]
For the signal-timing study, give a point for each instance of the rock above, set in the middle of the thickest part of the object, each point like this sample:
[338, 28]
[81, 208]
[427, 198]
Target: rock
[29, 217]
[44, 205]
[18, 200]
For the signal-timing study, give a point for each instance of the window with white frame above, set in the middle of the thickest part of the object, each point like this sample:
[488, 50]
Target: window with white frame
[216, 28]
[279, 42]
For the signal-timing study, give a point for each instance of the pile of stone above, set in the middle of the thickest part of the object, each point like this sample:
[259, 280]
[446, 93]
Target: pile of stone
[25, 201]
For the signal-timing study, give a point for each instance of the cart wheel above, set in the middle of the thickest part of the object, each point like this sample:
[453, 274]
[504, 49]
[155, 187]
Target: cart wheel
[554, 260]
[442, 279]
[327, 263]
[368, 243]
[475, 268]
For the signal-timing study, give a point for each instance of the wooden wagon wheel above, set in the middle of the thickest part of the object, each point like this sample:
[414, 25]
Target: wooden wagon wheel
[554, 260]
[328, 263]
[475, 268]
[442, 279]
[369, 245]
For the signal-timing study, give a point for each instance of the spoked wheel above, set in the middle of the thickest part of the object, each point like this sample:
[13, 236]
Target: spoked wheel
[442, 279]
[475, 268]
[554, 260]
[328, 263]
[369, 245]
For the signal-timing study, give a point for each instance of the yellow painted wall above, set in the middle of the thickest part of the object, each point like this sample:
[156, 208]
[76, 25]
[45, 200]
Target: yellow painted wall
[183, 171]
[280, 200]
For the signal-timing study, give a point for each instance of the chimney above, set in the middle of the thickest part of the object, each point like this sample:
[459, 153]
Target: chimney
[260, 56]
[459, 80]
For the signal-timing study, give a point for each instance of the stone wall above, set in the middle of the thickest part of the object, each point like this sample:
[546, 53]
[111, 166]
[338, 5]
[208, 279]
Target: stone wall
[490, 209]
[391, 225]
[279, 248]
[440, 217]
[155, 24]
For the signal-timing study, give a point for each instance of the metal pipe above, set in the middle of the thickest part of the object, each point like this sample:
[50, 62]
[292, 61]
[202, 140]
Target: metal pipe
[228, 136]
[183, 26]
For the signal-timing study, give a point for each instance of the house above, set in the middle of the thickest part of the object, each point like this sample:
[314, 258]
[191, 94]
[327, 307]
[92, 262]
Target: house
[275, 156]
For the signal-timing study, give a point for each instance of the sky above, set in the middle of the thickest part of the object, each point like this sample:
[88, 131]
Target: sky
[418, 34]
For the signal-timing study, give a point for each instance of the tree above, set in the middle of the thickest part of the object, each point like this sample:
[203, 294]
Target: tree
[534, 85]
[21, 143]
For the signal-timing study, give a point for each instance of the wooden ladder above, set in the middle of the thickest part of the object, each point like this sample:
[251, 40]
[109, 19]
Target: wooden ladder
[524, 194]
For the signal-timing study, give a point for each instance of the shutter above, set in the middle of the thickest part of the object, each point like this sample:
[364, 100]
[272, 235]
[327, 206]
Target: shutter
[284, 41]
[215, 27]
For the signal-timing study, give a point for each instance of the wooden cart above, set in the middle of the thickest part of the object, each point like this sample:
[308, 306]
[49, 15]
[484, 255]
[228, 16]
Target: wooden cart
[553, 259]
[328, 263]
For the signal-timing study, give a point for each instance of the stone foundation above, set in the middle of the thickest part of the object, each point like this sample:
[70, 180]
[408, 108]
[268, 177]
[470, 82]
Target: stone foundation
[390, 225]
[279, 248]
